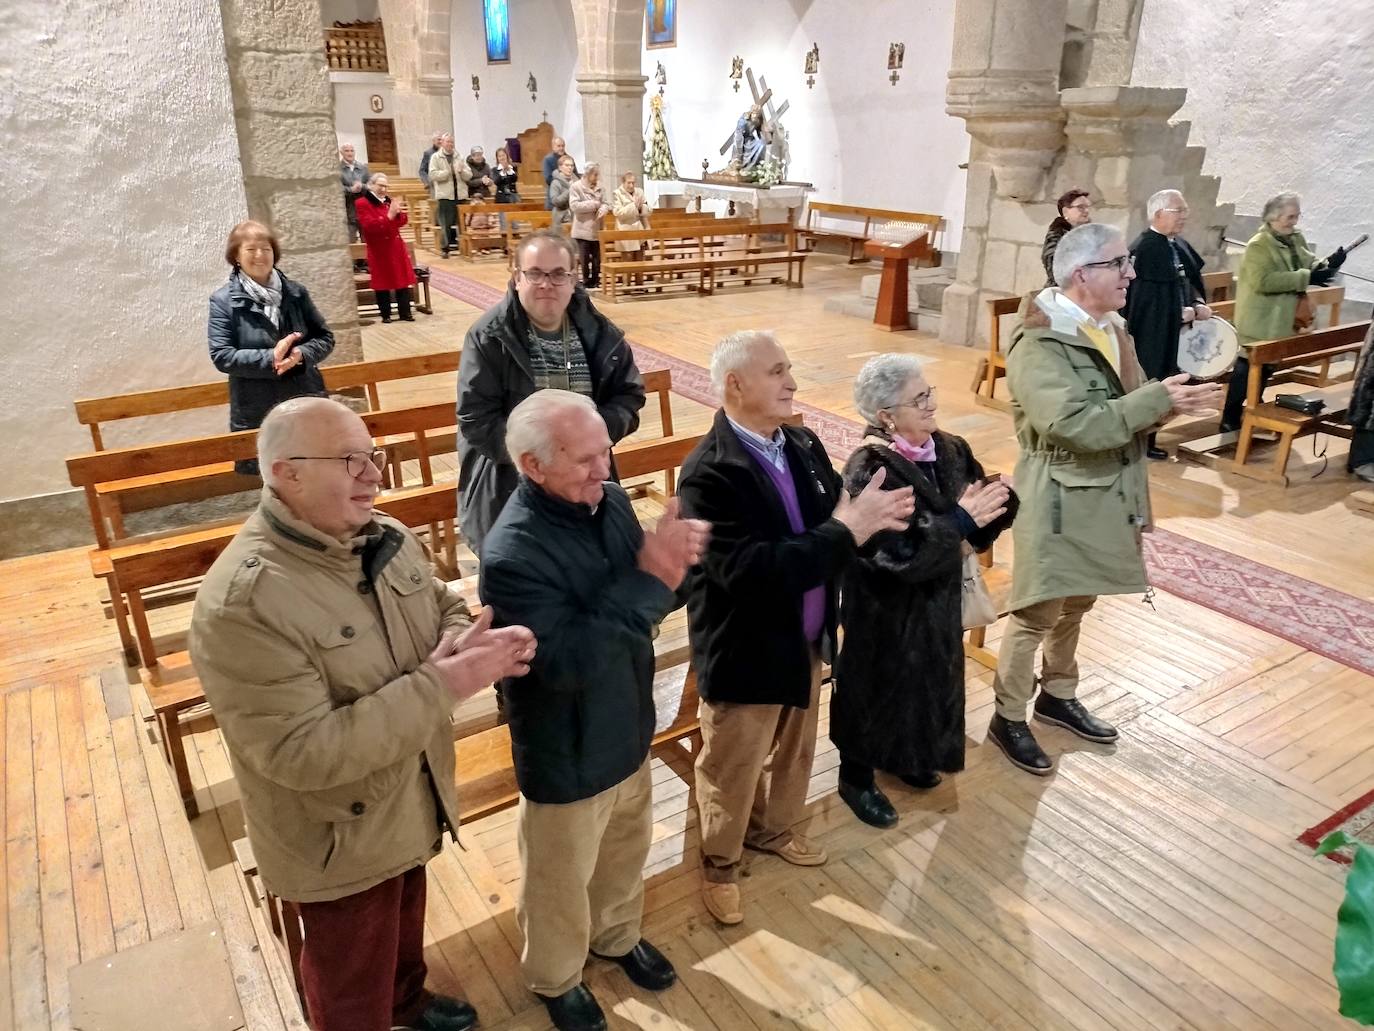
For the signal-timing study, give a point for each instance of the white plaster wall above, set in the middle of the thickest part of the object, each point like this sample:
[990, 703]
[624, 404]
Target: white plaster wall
[124, 171]
[543, 40]
[857, 137]
[353, 92]
[1285, 105]
[346, 11]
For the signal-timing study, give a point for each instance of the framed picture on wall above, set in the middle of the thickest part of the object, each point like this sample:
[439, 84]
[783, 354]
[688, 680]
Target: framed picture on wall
[660, 23]
[496, 18]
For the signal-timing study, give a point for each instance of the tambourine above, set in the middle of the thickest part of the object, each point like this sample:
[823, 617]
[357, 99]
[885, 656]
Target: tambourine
[1208, 348]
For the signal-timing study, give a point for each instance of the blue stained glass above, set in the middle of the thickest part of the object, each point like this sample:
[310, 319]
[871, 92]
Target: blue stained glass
[496, 14]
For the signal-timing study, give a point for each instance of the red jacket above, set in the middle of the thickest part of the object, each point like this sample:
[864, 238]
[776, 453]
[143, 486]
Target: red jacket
[388, 261]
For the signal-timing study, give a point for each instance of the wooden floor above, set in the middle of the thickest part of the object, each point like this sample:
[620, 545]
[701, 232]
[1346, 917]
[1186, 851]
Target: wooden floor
[1151, 885]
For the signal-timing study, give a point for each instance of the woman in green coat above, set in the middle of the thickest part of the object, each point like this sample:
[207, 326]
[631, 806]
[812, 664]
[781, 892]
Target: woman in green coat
[1276, 271]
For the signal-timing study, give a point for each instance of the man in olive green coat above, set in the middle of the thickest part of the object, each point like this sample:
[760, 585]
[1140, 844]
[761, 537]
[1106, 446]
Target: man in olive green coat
[332, 658]
[1276, 271]
[1082, 410]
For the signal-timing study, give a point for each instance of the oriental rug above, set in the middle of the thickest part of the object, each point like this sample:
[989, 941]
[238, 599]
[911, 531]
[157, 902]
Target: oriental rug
[1317, 618]
[1356, 819]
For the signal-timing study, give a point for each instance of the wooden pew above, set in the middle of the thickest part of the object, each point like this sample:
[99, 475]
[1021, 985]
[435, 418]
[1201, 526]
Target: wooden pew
[717, 255]
[672, 241]
[994, 366]
[474, 240]
[1283, 355]
[139, 566]
[367, 297]
[820, 216]
[1319, 375]
[520, 224]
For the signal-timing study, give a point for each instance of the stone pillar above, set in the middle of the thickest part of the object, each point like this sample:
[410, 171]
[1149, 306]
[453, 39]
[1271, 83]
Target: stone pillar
[1100, 50]
[420, 77]
[284, 116]
[612, 122]
[1003, 81]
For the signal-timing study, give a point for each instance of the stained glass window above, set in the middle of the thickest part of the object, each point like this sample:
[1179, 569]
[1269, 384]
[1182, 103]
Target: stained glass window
[496, 14]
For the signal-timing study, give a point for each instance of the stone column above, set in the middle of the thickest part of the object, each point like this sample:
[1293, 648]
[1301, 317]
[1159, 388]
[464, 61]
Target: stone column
[284, 115]
[1003, 81]
[612, 124]
[421, 80]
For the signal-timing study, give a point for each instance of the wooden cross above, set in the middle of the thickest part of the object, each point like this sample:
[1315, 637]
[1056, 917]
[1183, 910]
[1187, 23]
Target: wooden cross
[764, 102]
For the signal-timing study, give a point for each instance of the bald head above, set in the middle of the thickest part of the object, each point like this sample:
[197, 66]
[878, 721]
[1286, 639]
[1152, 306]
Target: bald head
[318, 457]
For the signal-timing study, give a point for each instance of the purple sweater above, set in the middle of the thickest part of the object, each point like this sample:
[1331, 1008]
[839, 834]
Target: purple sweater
[813, 601]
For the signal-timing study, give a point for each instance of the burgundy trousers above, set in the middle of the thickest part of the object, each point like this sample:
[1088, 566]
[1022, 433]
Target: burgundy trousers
[362, 957]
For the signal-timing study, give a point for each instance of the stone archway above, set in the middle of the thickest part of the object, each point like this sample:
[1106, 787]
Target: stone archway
[611, 82]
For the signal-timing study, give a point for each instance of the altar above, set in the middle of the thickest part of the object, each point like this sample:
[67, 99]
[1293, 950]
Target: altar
[780, 203]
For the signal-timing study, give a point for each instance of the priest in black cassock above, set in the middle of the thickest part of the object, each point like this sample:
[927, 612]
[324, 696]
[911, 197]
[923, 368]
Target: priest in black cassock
[1167, 291]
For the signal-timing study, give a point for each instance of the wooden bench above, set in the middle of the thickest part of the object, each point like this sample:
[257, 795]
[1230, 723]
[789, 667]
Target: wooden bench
[367, 297]
[716, 255]
[169, 679]
[1284, 356]
[821, 214]
[344, 376]
[474, 239]
[994, 366]
[673, 240]
[1319, 374]
[520, 224]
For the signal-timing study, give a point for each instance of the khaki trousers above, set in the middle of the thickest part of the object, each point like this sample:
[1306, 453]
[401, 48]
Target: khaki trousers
[583, 886]
[752, 775]
[1056, 622]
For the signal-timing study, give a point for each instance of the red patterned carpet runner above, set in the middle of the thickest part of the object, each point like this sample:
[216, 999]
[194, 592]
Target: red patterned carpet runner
[1325, 621]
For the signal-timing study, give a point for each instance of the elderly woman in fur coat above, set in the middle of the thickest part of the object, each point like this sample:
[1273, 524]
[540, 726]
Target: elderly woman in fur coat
[898, 703]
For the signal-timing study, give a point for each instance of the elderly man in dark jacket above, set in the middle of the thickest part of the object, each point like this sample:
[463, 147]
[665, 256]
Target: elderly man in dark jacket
[1166, 294]
[762, 607]
[543, 333]
[567, 557]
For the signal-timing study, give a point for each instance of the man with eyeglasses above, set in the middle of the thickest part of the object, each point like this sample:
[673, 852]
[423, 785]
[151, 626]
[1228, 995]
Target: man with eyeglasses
[544, 333]
[1082, 409]
[1167, 292]
[1075, 209]
[333, 658]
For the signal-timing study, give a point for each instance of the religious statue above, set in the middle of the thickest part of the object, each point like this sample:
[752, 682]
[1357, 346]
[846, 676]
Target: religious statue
[660, 76]
[896, 54]
[747, 149]
[736, 67]
[813, 60]
[758, 146]
[532, 86]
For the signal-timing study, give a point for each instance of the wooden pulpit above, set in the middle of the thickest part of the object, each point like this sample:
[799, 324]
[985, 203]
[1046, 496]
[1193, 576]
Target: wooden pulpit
[891, 313]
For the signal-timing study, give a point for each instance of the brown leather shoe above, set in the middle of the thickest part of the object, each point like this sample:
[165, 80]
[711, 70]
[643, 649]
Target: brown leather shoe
[798, 851]
[722, 901]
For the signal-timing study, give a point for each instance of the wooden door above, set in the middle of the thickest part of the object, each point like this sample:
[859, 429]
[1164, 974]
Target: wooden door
[379, 136]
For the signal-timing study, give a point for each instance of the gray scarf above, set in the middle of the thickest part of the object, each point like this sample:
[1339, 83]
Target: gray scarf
[266, 298]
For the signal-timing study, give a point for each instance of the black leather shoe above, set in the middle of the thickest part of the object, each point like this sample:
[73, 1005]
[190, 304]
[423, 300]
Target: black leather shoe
[575, 1010]
[870, 805]
[646, 967]
[1070, 714]
[923, 781]
[407, 318]
[1016, 740]
[1228, 427]
[445, 1014]
[1364, 472]
[386, 318]
[1157, 454]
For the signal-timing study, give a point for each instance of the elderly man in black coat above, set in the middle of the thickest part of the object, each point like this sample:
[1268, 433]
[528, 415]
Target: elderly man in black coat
[761, 608]
[1167, 292]
[568, 559]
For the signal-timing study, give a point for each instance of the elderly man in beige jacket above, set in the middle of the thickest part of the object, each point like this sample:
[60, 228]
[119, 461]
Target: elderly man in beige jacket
[332, 658]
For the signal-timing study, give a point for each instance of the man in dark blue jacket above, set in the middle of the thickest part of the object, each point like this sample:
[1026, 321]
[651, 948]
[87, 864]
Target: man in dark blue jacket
[568, 559]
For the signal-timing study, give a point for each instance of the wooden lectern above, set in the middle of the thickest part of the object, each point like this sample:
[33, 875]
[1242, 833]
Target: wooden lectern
[891, 313]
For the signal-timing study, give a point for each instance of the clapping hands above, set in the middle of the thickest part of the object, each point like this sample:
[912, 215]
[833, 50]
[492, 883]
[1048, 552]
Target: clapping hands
[673, 546]
[286, 356]
[480, 655]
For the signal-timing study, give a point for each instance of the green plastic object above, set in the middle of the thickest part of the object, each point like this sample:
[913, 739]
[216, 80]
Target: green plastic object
[1354, 965]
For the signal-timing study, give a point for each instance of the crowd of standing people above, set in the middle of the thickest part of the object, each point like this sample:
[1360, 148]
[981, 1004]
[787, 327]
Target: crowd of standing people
[333, 656]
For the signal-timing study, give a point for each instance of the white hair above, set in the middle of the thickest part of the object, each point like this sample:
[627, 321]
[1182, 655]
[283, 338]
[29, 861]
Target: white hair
[880, 382]
[1274, 206]
[734, 352]
[278, 435]
[1159, 201]
[1081, 246]
[375, 177]
[529, 426]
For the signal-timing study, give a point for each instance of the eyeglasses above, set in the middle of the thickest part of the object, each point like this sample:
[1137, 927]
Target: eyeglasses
[1084, 206]
[925, 401]
[355, 461]
[1176, 211]
[538, 277]
[1117, 265]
